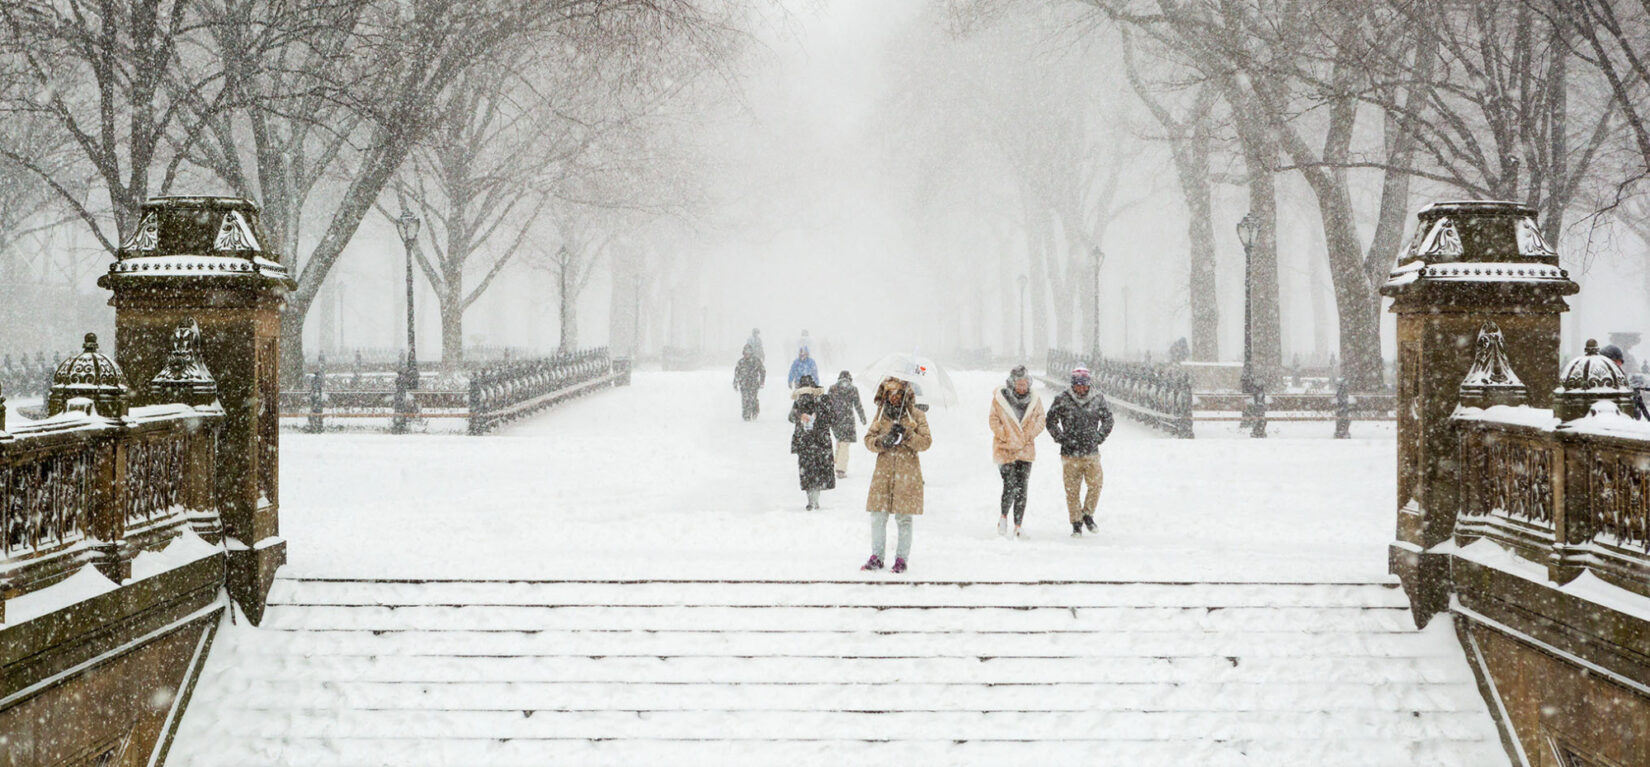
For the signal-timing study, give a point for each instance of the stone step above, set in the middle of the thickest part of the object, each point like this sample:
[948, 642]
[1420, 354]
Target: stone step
[1434, 667]
[843, 593]
[652, 697]
[1347, 751]
[304, 723]
[759, 672]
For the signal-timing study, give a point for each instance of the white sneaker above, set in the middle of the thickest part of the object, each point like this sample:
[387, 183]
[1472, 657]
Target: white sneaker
[1002, 526]
[1017, 533]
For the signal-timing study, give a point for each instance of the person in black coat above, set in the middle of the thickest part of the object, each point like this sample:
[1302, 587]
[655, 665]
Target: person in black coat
[749, 374]
[811, 439]
[845, 405]
[1080, 420]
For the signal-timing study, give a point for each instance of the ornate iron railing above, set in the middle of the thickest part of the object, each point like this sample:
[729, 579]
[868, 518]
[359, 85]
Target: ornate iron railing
[1159, 396]
[1162, 396]
[503, 393]
[484, 396]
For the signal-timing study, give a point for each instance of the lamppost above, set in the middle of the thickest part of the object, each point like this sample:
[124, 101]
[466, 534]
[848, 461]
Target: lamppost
[407, 225]
[1022, 334]
[1094, 340]
[1254, 413]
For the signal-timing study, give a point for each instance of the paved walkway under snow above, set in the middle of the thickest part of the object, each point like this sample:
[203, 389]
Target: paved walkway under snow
[663, 480]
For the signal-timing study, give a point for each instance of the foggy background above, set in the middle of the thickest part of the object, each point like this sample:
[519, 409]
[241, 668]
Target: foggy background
[862, 169]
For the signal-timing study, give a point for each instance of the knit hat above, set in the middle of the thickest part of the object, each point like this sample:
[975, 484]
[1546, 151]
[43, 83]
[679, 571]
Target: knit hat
[1613, 352]
[1081, 377]
[844, 376]
[1017, 374]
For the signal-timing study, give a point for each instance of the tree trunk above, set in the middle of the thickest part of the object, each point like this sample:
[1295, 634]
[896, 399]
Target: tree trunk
[1260, 163]
[292, 342]
[1038, 241]
[1191, 158]
[569, 324]
[452, 336]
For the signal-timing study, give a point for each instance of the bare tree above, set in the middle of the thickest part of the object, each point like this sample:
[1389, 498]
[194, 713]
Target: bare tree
[115, 76]
[1190, 135]
[476, 183]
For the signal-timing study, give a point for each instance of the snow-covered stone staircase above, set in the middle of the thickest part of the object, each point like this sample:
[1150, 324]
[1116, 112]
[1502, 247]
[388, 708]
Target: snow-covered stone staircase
[886, 672]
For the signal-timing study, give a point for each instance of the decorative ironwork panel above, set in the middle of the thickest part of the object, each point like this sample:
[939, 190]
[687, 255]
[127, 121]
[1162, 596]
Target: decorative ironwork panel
[1519, 483]
[45, 503]
[155, 472]
[1620, 498]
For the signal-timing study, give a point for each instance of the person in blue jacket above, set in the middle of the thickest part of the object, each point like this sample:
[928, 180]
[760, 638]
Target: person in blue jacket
[803, 365]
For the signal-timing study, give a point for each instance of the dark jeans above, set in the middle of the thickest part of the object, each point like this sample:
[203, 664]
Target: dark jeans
[1015, 477]
[748, 406]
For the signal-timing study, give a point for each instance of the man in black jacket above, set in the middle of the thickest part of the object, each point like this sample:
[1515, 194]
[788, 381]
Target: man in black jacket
[748, 376]
[1079, 420]
[844, 396]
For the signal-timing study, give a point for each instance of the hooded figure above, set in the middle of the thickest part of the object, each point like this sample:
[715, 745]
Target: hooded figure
[803, 365]
[844, 406]
[811, 439]
[1080, 420]
[1016, 419]
[897, 434]
[748, 377]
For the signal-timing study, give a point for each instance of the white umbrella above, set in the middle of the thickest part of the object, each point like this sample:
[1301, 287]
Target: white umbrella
[930, 381]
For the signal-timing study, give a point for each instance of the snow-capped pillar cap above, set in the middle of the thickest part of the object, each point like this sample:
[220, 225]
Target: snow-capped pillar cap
[1587, 379]
[92, 376]
[1464, 246]
[197, 237]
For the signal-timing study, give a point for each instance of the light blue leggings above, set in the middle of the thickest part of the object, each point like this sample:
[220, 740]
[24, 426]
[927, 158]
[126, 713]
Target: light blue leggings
[879, 534]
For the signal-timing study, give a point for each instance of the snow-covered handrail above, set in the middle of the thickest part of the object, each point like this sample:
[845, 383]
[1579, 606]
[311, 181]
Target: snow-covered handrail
[78, 489]
[1571, 496]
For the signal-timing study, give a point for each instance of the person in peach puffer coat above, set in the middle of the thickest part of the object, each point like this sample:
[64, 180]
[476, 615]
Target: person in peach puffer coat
[1016, 420]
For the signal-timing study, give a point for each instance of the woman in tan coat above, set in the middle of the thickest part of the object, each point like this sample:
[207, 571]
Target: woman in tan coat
[1016, 420]
[896, 435]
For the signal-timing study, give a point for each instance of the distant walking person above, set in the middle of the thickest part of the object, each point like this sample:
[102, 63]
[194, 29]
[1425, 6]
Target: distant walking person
[1016, 420]
[811, 439]
[803, 365]
[755, 343]
[897, 434]
[844, 406]
[748, 377]
[1079, 420]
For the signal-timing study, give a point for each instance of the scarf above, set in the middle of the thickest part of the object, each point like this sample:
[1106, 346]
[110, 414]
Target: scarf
[1020, 402]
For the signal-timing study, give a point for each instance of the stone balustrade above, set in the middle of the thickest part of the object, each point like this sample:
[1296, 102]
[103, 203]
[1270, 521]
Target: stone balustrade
[79, 489]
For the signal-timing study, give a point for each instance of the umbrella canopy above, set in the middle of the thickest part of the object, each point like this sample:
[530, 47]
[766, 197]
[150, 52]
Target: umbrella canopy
[930, 381]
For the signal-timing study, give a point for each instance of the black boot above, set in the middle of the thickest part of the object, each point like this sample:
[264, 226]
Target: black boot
[1077, 529]
[1088, 522]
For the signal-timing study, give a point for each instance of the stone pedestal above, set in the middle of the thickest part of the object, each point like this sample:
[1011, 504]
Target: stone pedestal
[199, 259]
[1469, 262]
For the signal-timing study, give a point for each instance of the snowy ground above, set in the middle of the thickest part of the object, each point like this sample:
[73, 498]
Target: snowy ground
[800, 661]
[663, 479]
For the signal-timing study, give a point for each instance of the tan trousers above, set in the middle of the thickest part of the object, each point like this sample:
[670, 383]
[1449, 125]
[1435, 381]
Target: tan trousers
[842, 456]
[1077, 470]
